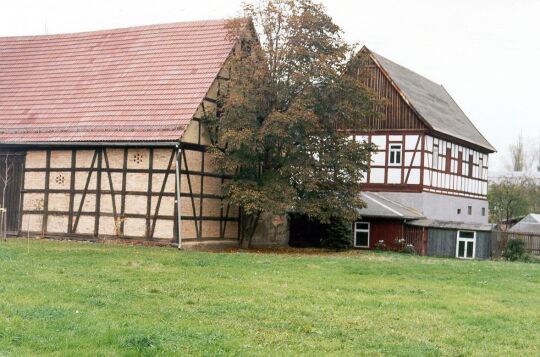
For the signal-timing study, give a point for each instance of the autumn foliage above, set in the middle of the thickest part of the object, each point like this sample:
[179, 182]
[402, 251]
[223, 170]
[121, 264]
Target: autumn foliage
[293, 87]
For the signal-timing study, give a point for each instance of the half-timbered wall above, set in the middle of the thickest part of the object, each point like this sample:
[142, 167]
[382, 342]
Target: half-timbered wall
[383, 171]
[124, 193]
[426, 164]
[454, 169]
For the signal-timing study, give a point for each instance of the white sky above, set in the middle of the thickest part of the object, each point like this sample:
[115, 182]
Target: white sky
[485, 52]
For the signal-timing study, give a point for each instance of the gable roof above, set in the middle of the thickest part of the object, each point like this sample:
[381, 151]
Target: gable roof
[131, 84]
[529, 224]
[431, 102]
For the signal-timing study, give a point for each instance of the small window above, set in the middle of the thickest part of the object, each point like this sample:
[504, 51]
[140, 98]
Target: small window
[361, 234]
[469, 210]
[459, 211]
[483, 211]
[395, 154]
[460, 163]
[466, 245]
[470, 173]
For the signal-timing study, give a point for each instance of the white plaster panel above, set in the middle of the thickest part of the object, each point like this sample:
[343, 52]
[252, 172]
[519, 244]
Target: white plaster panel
[410, 142]
[379, 140]
[376, 175]
[394, 175]
[378, 158]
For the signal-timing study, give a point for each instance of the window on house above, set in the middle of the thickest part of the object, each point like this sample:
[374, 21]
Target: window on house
[470, 165]
[466, 244]
[459, 211]
[395, 154]
[361, 234]
[469, 210]
[448, 160]
[483, 211]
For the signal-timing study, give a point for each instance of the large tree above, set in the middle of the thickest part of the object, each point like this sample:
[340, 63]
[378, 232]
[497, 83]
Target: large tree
[293, 87]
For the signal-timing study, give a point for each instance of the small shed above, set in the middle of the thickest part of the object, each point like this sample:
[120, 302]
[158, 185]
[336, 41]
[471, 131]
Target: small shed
[456, 239]
[529, 224]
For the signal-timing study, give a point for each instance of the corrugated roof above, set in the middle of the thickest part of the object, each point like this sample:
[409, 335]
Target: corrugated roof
[139, 83]
[432, 102]
[380, 206]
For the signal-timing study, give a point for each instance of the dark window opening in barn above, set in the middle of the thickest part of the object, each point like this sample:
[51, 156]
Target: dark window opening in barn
[483, 211]
[460, 163]
[469, 210]
[470, 165]
[459, 211]
[395, 154]
[448, 160]
[466, 244]
[361, 234]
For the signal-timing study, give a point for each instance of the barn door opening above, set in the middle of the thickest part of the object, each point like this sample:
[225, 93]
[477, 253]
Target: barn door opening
[11, 173]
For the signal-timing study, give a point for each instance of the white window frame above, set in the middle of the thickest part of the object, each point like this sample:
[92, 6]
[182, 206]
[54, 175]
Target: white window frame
[466, 240]
[361, 230]
[390, 151]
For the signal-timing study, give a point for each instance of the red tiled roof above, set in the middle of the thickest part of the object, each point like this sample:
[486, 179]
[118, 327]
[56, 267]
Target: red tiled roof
[134, 84]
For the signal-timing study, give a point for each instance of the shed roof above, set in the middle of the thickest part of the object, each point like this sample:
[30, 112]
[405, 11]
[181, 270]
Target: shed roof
[529, 224]
[132, 84]
[432, 102]
[434, 223]
[381, 206]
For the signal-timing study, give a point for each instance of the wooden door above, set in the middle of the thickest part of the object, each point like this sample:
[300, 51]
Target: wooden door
[11, 175]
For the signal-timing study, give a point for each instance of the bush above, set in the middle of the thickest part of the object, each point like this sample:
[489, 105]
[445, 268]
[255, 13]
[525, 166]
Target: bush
[515, 250]
[338, 235]
[380, 245]
[409, 249]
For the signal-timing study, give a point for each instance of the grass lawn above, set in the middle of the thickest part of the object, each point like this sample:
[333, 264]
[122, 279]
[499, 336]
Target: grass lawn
[66, 298]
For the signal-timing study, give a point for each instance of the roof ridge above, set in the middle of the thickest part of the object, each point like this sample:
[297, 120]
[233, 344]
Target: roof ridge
[122, 29]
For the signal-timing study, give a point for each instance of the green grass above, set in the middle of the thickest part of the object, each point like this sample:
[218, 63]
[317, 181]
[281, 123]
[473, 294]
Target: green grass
[84, 299]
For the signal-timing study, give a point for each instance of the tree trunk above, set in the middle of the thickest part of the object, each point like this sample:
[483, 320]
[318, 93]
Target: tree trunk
[249, 226]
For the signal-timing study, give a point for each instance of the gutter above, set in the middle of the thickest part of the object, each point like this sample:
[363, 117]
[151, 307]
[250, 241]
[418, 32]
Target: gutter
[93, 144]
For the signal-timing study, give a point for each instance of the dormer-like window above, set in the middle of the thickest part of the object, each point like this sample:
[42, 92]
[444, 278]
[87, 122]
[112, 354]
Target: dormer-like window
[395, 156]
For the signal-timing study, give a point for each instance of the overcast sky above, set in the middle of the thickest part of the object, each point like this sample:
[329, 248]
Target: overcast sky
[485, 52]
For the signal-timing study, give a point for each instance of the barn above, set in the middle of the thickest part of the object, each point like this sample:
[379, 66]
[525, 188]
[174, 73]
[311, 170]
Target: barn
[101, 135]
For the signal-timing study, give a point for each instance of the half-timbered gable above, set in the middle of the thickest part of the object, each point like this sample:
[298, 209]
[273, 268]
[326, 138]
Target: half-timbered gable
[108, 126]
[425, 143]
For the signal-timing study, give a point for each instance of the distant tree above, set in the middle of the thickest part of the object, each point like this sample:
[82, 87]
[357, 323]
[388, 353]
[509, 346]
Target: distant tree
[517, 155]
[513, 197]
[278, 124]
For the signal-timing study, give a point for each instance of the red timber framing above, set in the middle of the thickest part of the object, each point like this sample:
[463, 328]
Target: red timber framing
[128, 193]
[428, 163]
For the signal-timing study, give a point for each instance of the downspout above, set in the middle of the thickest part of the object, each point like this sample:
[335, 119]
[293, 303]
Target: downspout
[178, 205]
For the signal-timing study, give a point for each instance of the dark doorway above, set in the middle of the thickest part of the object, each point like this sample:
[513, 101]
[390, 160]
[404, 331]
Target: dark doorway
[306, 232]
[11, 175]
